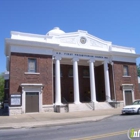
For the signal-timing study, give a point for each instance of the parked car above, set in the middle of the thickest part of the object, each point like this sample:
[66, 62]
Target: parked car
[132, 109]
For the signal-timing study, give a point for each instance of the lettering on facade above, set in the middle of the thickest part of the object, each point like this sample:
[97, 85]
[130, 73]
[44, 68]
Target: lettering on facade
[58, 52]
[68, 54]
[83, 55]
[99, 57]
[80, 55]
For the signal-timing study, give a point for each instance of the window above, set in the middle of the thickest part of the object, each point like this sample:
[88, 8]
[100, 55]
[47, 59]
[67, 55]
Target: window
[6, 84]
[125, 70]
[32, 65]
[86, 73]
[70, 74]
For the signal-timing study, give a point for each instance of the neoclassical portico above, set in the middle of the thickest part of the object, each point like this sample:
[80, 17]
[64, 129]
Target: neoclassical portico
[76, 87]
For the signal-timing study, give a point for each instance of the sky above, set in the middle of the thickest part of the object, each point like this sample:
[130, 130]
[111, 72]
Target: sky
[117, 21]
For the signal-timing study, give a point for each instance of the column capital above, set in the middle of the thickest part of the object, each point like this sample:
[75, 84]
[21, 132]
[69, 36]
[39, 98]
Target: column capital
[91, 60]
[112, 63]
[58, 57]
[75, 59]
[105, 62]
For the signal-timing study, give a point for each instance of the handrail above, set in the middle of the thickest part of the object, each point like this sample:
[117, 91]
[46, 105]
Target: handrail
[112, 101]
[66, 102]
[91, 102]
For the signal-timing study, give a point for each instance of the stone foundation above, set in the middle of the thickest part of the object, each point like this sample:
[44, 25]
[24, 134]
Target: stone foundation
[48, 108]
[117, 104]
[61, 108]
[15, 111]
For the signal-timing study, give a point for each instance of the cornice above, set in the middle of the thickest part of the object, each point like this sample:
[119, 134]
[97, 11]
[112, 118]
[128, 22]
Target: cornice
[57, 47]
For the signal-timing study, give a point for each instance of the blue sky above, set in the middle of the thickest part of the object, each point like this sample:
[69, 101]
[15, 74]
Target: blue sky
[117, 21]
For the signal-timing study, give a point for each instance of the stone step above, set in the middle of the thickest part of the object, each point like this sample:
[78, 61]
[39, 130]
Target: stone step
[102, 105]
[78, 107]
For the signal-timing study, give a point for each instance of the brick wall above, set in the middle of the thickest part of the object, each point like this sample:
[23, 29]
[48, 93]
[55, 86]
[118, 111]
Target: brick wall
[119, 79]
[18, 67]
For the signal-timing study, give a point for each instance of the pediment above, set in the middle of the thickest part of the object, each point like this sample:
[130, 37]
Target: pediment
[82, 39]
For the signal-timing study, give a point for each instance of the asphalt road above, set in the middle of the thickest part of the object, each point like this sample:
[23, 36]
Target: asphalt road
[112, 128]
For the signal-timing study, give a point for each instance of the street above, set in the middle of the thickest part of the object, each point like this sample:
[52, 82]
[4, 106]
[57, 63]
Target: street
[112, 128]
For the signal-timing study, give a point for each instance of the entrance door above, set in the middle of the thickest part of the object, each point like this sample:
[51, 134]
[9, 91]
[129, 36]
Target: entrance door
[32, 102]
[128, 97]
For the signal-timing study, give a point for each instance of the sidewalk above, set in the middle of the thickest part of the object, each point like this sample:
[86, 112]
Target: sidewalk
[53, 118]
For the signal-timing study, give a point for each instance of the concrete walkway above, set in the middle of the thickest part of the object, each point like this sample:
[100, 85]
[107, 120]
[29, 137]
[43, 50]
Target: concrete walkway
[53, 118]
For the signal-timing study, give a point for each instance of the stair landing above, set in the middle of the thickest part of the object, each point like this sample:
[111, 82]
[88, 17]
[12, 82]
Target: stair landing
[79, 107]
[102, 105]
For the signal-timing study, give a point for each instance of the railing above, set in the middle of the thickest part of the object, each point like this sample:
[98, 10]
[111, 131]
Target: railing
[113, 102]
[66, 103]
[90, 104]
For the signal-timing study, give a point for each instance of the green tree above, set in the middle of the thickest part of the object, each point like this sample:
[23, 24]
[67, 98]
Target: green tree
[138, 70]
[1, 87]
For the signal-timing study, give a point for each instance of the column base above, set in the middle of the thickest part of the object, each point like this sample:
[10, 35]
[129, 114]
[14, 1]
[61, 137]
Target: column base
[58, 104]
[109, 100]
[95, 101]
[77, 102]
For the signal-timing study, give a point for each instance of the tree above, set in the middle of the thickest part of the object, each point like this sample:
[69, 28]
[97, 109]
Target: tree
[1, 87]
[138, 70]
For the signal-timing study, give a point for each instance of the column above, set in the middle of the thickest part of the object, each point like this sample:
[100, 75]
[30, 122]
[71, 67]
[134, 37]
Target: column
[92, 81]
[107, 83]
[40, 99]
[23, 100]
[57, 82]
[76, 81]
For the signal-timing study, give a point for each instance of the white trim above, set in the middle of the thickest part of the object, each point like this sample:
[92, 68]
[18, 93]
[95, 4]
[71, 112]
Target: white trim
[31, 73]
[31, 84]
[127, 84]
[128, 87]
[126, 76]
[31, 87]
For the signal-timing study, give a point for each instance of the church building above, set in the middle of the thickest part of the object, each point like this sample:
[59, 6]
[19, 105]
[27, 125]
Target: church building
[64, 72]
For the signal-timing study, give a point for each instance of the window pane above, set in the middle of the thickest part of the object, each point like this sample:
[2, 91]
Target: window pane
[70, 72]
[125, 70]
[31, 65]
[86, 73]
